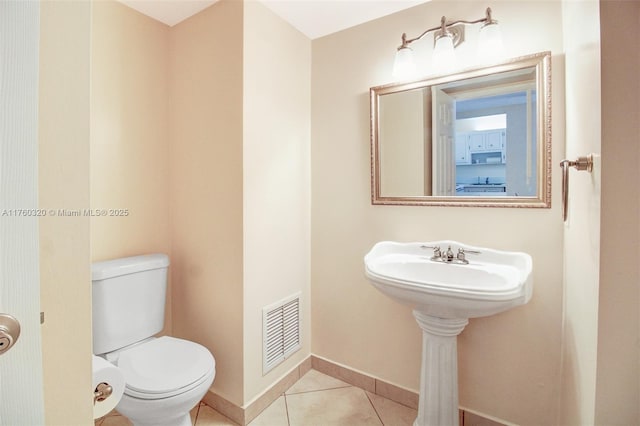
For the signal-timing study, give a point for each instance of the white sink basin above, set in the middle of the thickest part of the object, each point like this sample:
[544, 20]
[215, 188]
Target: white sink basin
[493, 281]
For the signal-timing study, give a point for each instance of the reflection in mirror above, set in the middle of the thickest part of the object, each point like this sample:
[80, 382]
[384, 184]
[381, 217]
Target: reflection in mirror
[480, 137]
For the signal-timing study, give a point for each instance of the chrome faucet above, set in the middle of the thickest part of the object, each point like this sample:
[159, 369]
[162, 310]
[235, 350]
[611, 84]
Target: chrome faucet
[448, 256]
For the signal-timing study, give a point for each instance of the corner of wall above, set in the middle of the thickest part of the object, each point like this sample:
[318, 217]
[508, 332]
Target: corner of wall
[276, 183]
[205, 187]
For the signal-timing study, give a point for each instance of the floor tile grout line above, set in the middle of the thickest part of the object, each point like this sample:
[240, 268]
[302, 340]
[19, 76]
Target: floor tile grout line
[374, 407]
[286, 409]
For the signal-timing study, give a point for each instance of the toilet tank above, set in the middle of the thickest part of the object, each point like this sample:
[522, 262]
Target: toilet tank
[128, 297]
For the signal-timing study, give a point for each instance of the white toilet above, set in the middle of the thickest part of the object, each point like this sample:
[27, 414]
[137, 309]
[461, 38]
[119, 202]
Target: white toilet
[165, 377]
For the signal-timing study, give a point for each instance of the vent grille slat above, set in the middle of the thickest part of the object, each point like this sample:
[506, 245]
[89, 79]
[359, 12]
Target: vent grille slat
[281, 331]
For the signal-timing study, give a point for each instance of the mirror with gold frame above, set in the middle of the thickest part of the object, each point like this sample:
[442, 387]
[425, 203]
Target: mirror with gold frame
[480, 137]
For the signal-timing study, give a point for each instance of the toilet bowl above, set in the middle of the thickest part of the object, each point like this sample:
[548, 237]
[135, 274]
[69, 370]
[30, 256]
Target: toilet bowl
[165, 377]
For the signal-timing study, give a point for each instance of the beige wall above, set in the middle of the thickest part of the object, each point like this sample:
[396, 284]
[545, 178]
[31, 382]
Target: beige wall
[508, 363]
[64, 184]
[206, 187]
[402, 144]
[129, 132]
[617, 399]
[276, 186]
[129, 163]
[582, 230]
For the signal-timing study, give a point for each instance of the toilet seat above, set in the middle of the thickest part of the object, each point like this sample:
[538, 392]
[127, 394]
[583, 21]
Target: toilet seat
[164, 367]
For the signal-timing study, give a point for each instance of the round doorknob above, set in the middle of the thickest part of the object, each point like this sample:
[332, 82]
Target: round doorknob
[9, 332]
[5, 342]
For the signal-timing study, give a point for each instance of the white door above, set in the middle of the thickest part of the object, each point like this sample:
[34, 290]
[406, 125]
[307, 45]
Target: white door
[444, 153]
[21, 401]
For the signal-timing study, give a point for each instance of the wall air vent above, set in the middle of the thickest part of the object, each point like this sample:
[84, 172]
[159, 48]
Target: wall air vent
[280, 331]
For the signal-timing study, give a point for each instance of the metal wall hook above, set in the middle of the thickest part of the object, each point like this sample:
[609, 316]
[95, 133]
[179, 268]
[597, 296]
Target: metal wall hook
[584, 163]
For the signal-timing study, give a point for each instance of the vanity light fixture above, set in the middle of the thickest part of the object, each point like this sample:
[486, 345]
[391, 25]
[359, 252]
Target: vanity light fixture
[447, 36]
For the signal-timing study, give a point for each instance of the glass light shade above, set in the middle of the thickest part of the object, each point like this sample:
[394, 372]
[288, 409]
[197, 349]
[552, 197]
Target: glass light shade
[490, 46]
[404, 67]
[444, 56]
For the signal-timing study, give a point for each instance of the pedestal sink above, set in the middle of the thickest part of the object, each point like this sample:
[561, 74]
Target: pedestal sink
[447, 283]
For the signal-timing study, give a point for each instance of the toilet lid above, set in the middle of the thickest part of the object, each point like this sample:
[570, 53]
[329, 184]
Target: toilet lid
[164, 366]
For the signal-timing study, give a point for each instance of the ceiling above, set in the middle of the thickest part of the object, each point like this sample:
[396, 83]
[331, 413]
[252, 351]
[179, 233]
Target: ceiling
[314, 18]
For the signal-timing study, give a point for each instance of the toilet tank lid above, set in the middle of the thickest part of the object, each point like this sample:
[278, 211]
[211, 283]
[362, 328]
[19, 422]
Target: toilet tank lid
[128, 265]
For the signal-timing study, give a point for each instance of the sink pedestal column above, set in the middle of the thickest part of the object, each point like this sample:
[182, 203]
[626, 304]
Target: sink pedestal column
[439, 376]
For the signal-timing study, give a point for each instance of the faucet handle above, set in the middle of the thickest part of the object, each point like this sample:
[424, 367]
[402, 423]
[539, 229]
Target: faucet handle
[461, 254]
[437, 251]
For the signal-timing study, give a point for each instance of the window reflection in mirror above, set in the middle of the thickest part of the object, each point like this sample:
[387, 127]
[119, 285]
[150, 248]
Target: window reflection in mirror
[472, 138]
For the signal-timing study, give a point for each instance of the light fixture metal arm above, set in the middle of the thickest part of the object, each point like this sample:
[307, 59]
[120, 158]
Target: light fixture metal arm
[487, 19]
[406, 42]
[444, 26]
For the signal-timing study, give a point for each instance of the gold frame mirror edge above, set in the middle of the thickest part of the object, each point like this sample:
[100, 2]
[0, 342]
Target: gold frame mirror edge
[542, 63]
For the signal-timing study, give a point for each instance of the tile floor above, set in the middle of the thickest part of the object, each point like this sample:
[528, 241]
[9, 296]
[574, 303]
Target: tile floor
[315, 400]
